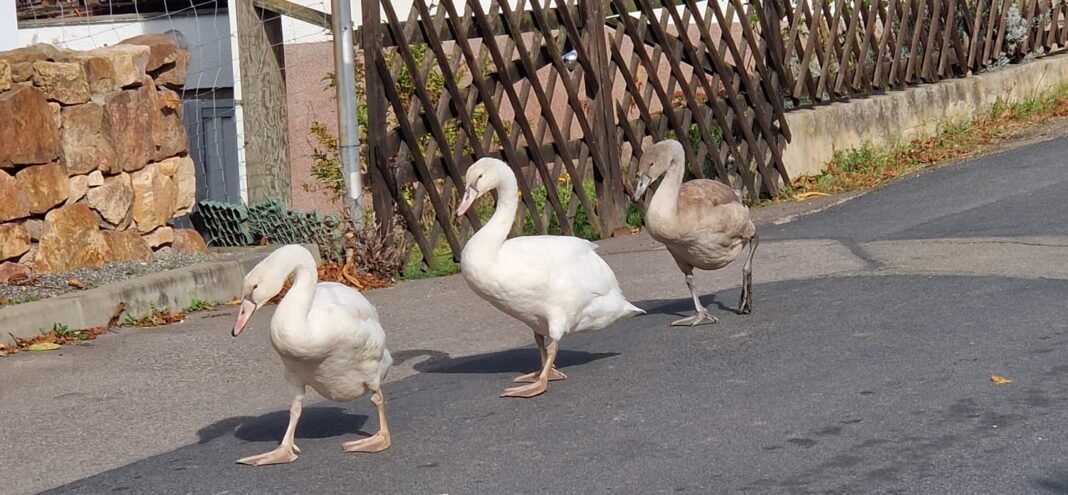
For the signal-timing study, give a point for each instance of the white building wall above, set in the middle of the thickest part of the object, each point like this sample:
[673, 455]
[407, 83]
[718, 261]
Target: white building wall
[9, 38]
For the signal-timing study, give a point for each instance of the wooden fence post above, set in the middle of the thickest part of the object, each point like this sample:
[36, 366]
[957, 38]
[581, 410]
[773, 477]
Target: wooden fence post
[611, 200]
[263, 103]
[375, 99]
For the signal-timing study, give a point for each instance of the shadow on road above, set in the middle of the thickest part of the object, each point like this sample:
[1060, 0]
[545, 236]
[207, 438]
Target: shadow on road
[510, 361]
[1056, 482]
[682, 307]
[315, 422]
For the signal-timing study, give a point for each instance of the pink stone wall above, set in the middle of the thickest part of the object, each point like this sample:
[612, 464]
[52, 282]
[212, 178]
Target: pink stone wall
[309, 100]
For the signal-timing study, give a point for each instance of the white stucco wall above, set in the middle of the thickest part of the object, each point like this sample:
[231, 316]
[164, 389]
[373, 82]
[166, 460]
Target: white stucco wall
[9, 38]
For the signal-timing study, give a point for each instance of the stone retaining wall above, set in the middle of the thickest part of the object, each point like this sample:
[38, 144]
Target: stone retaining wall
[93, 155]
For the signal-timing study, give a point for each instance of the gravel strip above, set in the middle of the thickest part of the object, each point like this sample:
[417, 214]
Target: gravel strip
[54, 284]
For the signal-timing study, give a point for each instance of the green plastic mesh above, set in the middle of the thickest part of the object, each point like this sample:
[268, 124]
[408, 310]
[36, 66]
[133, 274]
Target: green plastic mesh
[268, 222]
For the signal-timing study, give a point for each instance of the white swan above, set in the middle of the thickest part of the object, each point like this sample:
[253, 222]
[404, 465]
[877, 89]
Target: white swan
[554, 284]
[703, 222]
[329, 338]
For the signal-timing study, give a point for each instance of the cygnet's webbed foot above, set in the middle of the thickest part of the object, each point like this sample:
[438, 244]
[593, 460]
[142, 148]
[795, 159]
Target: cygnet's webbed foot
[745, 304]
[702, 317]
[376, 443]
[282, 455]
[554, 375]
[526, 391]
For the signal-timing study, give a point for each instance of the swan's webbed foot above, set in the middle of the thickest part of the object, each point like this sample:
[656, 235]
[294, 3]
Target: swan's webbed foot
[379, 441]
[282, 455]
[703, 317]
[375, 443]
[526, 391]
[554, 375]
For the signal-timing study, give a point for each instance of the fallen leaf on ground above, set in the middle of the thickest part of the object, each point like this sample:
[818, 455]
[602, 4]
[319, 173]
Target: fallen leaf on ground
[999, 380]
[77, 284]
[42, 346]
[811, 194]
[114, 320]
[235, 301]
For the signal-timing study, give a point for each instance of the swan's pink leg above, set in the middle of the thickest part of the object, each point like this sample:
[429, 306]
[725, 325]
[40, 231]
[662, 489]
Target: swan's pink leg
[287, 451]
[532, 377]
[379, 441]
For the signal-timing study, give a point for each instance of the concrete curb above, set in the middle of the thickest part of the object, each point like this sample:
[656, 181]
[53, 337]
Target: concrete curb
[174, 289]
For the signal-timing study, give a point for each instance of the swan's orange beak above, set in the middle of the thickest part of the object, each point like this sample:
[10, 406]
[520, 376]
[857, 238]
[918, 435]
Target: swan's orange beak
[247, 308]
[470, 195]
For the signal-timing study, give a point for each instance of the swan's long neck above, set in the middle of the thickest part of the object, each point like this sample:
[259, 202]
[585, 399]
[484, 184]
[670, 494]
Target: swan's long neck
[295, 306]
[488, 240]
[666, 199]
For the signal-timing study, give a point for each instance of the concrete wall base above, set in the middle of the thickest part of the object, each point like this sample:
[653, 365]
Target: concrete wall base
[912, 113]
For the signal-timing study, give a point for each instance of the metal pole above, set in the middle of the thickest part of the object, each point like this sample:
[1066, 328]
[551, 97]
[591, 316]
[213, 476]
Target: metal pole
[348, 139]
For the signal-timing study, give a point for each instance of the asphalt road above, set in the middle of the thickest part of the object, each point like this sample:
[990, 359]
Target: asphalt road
[875, 379]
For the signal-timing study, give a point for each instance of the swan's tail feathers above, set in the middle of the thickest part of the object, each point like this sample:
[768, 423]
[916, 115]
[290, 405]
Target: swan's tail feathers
[387, 361]
[632, 310]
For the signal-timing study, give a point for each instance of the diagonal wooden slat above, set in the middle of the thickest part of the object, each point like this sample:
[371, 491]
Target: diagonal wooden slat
[492, 110]
[848, 48]
[547, 112]
[538, 159]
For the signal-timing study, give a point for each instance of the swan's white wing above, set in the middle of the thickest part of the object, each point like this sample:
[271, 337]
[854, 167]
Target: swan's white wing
[344, 316]
[559, 260]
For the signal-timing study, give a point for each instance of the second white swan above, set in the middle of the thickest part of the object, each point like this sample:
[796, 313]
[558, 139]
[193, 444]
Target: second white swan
[556, 285]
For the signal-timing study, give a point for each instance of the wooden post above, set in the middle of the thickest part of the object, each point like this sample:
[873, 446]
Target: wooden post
[263, 102]
[611, 199]
[375, 99]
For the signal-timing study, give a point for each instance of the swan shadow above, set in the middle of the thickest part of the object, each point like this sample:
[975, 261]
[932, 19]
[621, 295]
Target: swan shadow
[510, 361]
[401, 357]
[315, 422]
[682, 307]
[1056, 482]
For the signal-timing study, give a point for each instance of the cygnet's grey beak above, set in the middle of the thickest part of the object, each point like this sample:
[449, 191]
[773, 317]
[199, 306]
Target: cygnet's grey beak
[643, 184]
[469, 198]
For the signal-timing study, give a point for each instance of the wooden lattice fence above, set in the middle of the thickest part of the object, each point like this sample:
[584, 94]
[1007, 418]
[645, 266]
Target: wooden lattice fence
[569, 92]
[881, 45]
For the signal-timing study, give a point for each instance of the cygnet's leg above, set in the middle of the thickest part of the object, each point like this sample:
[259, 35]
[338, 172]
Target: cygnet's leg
[745, 306]
[702, 316]
[287, 451]
[532, 377]
[379, 441]
[542, 383]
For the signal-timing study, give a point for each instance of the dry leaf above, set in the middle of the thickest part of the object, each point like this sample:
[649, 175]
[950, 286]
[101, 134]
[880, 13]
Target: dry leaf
[77, 284]
[999, 380]
[42, 346]
[114, 320]
[809, 195]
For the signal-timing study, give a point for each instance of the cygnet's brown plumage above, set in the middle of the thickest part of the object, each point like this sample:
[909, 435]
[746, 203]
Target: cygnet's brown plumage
[703, 223]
